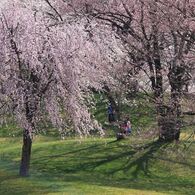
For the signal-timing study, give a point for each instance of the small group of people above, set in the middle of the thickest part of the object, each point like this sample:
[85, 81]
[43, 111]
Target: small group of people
[125, 126]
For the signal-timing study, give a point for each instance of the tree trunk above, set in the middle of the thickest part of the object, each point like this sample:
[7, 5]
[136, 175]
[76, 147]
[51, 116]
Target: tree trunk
[170, 122]
[169, 128]
[169, 118]
[26, 152]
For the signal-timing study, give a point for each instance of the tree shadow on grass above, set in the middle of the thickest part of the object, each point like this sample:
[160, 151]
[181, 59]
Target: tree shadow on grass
[74, 151]
[113, 165]
[12, 184]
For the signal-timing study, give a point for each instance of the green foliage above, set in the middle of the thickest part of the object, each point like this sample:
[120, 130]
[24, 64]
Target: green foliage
[98, 166]
[100, 108]
[10, 130]
[140, 110]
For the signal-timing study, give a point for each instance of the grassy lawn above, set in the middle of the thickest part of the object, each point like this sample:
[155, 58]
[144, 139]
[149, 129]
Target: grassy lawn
[98, 166]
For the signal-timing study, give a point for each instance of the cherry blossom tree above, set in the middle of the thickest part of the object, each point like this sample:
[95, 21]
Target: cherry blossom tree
[52, 53]
[158, 37]
[47, 65]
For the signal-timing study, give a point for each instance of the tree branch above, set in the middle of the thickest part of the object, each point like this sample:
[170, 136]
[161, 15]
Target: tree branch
[55, 10]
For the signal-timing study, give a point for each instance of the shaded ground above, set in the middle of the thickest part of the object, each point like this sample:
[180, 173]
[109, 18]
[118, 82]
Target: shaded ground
[99, 166]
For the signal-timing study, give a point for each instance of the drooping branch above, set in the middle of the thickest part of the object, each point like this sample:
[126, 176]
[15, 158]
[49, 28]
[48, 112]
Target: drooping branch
[54, 9]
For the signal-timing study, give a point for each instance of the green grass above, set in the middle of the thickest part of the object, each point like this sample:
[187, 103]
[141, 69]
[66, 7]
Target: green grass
[99, 167]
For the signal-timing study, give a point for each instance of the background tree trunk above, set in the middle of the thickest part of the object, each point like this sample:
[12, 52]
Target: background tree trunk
[170, 122]
[169, 119]
[169, 128]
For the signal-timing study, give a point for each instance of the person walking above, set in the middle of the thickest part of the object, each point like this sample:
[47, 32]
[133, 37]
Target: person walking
[128, 126]
[110, 114]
